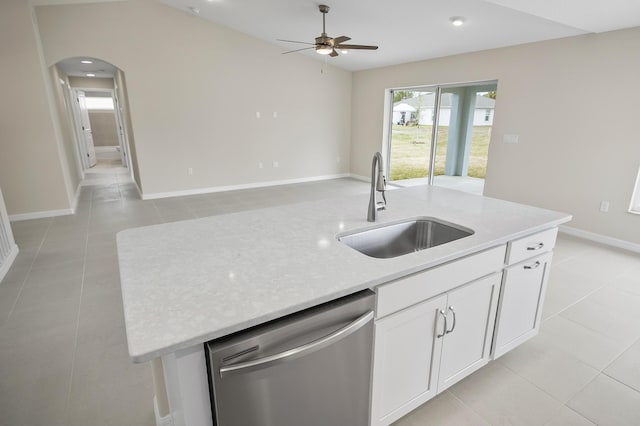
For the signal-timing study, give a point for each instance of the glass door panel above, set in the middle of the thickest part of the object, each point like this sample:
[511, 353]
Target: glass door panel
[410, 134]
[440, 135]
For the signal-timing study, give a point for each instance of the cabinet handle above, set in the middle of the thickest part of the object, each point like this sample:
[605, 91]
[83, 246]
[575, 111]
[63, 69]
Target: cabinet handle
[453, 326]
[444, 329]
[534, 266]
[536, 247]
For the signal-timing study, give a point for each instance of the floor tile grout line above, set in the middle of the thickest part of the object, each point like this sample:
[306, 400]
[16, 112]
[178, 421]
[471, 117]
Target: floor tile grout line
[26, 277]
[621, 382]
[571, 409]
[535, 385]
[575, 303]
[467, 406]
[75, 339]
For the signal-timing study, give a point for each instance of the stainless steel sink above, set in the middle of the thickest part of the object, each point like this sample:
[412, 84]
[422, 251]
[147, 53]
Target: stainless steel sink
[405, 237]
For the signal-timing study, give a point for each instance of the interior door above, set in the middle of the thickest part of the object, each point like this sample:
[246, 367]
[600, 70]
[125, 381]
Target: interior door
[86, 129]
[122, 137]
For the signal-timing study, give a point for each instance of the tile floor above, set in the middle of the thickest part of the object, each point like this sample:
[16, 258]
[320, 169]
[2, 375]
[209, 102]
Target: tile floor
[63, 356]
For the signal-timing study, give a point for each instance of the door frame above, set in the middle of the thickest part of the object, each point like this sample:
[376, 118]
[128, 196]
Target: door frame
[438, 89]
[123, 141]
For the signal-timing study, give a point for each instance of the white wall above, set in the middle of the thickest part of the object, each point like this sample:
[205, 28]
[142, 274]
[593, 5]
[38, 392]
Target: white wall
[31, 173]
[567, 159]
[194, 90]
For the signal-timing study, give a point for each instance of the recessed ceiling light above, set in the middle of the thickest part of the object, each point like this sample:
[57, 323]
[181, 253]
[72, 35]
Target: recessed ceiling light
[86, 62]
[91, 75]
[457, 21]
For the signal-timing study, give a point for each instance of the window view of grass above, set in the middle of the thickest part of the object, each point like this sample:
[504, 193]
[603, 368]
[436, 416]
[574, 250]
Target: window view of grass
[411, 145]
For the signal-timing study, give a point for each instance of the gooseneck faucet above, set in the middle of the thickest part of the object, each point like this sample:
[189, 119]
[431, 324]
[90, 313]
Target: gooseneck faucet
[378, 183]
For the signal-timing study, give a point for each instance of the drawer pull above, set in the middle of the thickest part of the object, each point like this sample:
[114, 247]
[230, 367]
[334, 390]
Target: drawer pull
[444, 329]
[534, 266]
[536, 247]
[453, 326]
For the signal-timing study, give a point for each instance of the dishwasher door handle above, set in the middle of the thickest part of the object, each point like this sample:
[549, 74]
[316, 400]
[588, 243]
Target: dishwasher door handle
[300, 350]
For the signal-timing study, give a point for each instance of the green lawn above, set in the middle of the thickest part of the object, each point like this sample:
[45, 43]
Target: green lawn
[410, 148]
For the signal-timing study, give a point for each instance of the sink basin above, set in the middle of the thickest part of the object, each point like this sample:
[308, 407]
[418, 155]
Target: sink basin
[397, 239]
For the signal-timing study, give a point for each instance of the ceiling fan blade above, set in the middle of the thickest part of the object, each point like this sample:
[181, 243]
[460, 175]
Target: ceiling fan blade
[297, 50]
[294, 41]
[340, 39]
[333, 53]
[355, 47]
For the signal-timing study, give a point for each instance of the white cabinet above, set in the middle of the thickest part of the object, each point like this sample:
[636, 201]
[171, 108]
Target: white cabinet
[471, 313]
[424, 349]
[406, 353]
[520, 306]
[523, 288]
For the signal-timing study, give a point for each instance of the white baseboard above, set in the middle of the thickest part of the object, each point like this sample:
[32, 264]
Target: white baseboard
[599, 238]
[106, 149]
[39, 215]
[358, 177]
[198, 191]
[4, 268]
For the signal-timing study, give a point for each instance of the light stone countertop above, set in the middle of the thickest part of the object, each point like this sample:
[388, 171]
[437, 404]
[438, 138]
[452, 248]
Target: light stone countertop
[188, 282]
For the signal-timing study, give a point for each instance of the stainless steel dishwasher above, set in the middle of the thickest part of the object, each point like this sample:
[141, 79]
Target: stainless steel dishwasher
[312, 368]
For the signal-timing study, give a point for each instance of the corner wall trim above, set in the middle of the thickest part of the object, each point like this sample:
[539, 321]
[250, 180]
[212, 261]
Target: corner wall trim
[4, 267]
[599, 238]
[39, 215]
[138, 189]
[198, 191]
[76, 199]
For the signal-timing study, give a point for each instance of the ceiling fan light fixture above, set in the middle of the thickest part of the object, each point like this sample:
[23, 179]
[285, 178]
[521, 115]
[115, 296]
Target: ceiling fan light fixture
[344, 51]
[457, 21]
[324, 50]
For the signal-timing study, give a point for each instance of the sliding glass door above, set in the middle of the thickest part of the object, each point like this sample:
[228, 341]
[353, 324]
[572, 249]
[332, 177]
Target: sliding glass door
[440, 135]
[410, 139]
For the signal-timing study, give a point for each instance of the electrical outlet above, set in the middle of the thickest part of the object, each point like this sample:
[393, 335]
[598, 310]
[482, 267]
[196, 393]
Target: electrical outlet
[190, 171]
[257, 114]
[338, 160]
[260, 165]
[604, 206]
[275, 114]
[276, 164]
[510, 138]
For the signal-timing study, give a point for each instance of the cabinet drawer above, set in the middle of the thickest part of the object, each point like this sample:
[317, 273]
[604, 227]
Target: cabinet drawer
[531, 246]
[415, 288]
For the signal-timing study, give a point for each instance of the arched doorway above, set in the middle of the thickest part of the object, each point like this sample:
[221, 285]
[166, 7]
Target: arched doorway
[94, 105]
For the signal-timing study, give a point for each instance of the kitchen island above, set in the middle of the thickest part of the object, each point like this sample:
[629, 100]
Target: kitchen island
[189, 282]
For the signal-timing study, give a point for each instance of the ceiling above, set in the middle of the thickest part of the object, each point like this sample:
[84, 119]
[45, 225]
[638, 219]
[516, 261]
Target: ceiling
[74, 68]
[409, 30]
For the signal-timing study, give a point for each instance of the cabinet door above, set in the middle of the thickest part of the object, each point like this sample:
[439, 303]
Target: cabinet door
[406, 360]
[520, 306]
[471, 314]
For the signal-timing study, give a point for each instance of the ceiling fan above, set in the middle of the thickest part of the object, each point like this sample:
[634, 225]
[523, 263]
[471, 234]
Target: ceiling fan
[326, 45]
